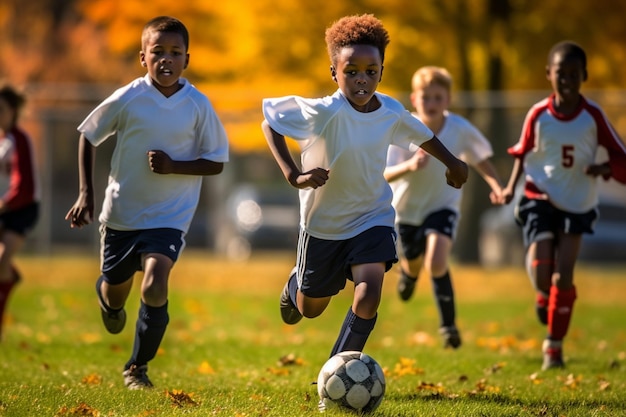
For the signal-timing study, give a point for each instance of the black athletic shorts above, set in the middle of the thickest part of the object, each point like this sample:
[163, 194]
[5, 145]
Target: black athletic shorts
[413, 238]
[121, 251]
[540, 220]
[22, 220]
[323, 266]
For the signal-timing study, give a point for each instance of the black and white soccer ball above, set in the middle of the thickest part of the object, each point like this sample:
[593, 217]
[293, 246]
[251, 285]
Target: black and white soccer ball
[351, 380]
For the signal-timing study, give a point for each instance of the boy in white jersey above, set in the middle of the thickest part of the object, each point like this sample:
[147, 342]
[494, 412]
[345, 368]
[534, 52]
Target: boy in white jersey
[427, 210]
[346, 222]
[557, 154]
[168, 137]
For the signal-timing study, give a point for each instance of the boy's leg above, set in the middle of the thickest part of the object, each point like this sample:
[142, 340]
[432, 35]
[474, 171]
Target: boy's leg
[562, 298]
[152, 319]
[361, 317]
[288, 300]
[438, 246]
[540, 268]
[114, 319]
[6, 288]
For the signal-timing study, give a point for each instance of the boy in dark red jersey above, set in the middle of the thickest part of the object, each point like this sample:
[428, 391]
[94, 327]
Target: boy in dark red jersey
[557, 153]
[19, 201]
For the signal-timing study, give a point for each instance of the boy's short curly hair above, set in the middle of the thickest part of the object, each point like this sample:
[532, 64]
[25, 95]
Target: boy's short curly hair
[14, 98]
[362, 29]
[165, 24]
[568, 49]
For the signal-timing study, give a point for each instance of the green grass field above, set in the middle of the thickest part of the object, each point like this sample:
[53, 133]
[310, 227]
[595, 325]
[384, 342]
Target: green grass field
[226, 352]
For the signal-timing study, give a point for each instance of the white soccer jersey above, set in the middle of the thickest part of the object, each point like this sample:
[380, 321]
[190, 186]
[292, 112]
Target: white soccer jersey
[557, 148]
[183, 125]
[353, 146]
[420, 193]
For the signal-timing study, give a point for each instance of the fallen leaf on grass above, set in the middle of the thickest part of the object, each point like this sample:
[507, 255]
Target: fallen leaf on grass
[92, 379]
[205, 368]
[405, 366]
[570, 381]
[290, 360]
[535, 378]
[430, 387]
[495, 368]
[483, 387]
[81, 409]
[603, 384]
[278, 371]
[180, 398]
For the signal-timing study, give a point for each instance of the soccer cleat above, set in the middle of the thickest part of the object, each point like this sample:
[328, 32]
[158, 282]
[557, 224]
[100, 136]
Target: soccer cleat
[136, 377]
[451, 337]
[552, 355]
[114, 320]
[289, 312]
[406, 287]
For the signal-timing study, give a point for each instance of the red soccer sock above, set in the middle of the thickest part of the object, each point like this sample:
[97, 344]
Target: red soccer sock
[560, 305]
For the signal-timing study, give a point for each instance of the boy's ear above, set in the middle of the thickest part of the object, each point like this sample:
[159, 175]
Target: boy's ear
[585, 74]
[186, 62]
[333, 73]
[142, 59]
[380, 78]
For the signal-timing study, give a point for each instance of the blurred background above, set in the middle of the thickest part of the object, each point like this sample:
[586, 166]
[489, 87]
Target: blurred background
[68, 55]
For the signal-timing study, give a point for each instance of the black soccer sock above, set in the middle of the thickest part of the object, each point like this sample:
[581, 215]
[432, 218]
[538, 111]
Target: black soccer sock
[444, 294]
[354, 333]
[151, 325]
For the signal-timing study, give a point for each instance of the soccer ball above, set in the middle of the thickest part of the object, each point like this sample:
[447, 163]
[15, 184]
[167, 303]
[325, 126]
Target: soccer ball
[351, 380]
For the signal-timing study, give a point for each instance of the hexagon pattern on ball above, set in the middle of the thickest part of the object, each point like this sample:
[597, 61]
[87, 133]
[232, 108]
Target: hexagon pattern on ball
[351, 380]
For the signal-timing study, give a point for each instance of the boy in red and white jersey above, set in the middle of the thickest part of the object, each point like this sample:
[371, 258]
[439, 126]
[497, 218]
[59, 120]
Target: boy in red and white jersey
[557, 154]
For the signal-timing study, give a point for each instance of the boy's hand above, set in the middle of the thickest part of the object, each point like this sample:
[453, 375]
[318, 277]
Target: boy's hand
[418, 160]
[598, 170]
[81, 213]
[160, 162]
[456, 174]
[313, 178]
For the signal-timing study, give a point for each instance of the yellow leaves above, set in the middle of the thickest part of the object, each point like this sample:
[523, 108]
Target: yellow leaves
[290, 360]
[81, 409]
[508, 343]
[205, 368]
[180, 398]
[404, 367]
[284, 362]
[92, 379]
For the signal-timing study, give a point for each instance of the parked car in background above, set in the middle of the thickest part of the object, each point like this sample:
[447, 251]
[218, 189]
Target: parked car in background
[258, 217]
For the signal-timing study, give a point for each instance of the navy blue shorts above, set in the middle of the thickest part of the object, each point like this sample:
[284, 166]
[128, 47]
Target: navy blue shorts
[323, 266]
[413, 238]
[121, 251]
[540, 220]
[22, 220]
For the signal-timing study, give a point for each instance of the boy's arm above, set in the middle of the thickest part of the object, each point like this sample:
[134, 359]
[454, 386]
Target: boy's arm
[457, 171]
[278, 146]
[509, 191]
[161, 163]
[417, 161]
[486, 170]
[81, 213]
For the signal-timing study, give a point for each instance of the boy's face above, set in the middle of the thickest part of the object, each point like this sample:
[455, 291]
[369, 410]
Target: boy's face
[357, 72]
[165, 56]
[566, 76]
[430, 101]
